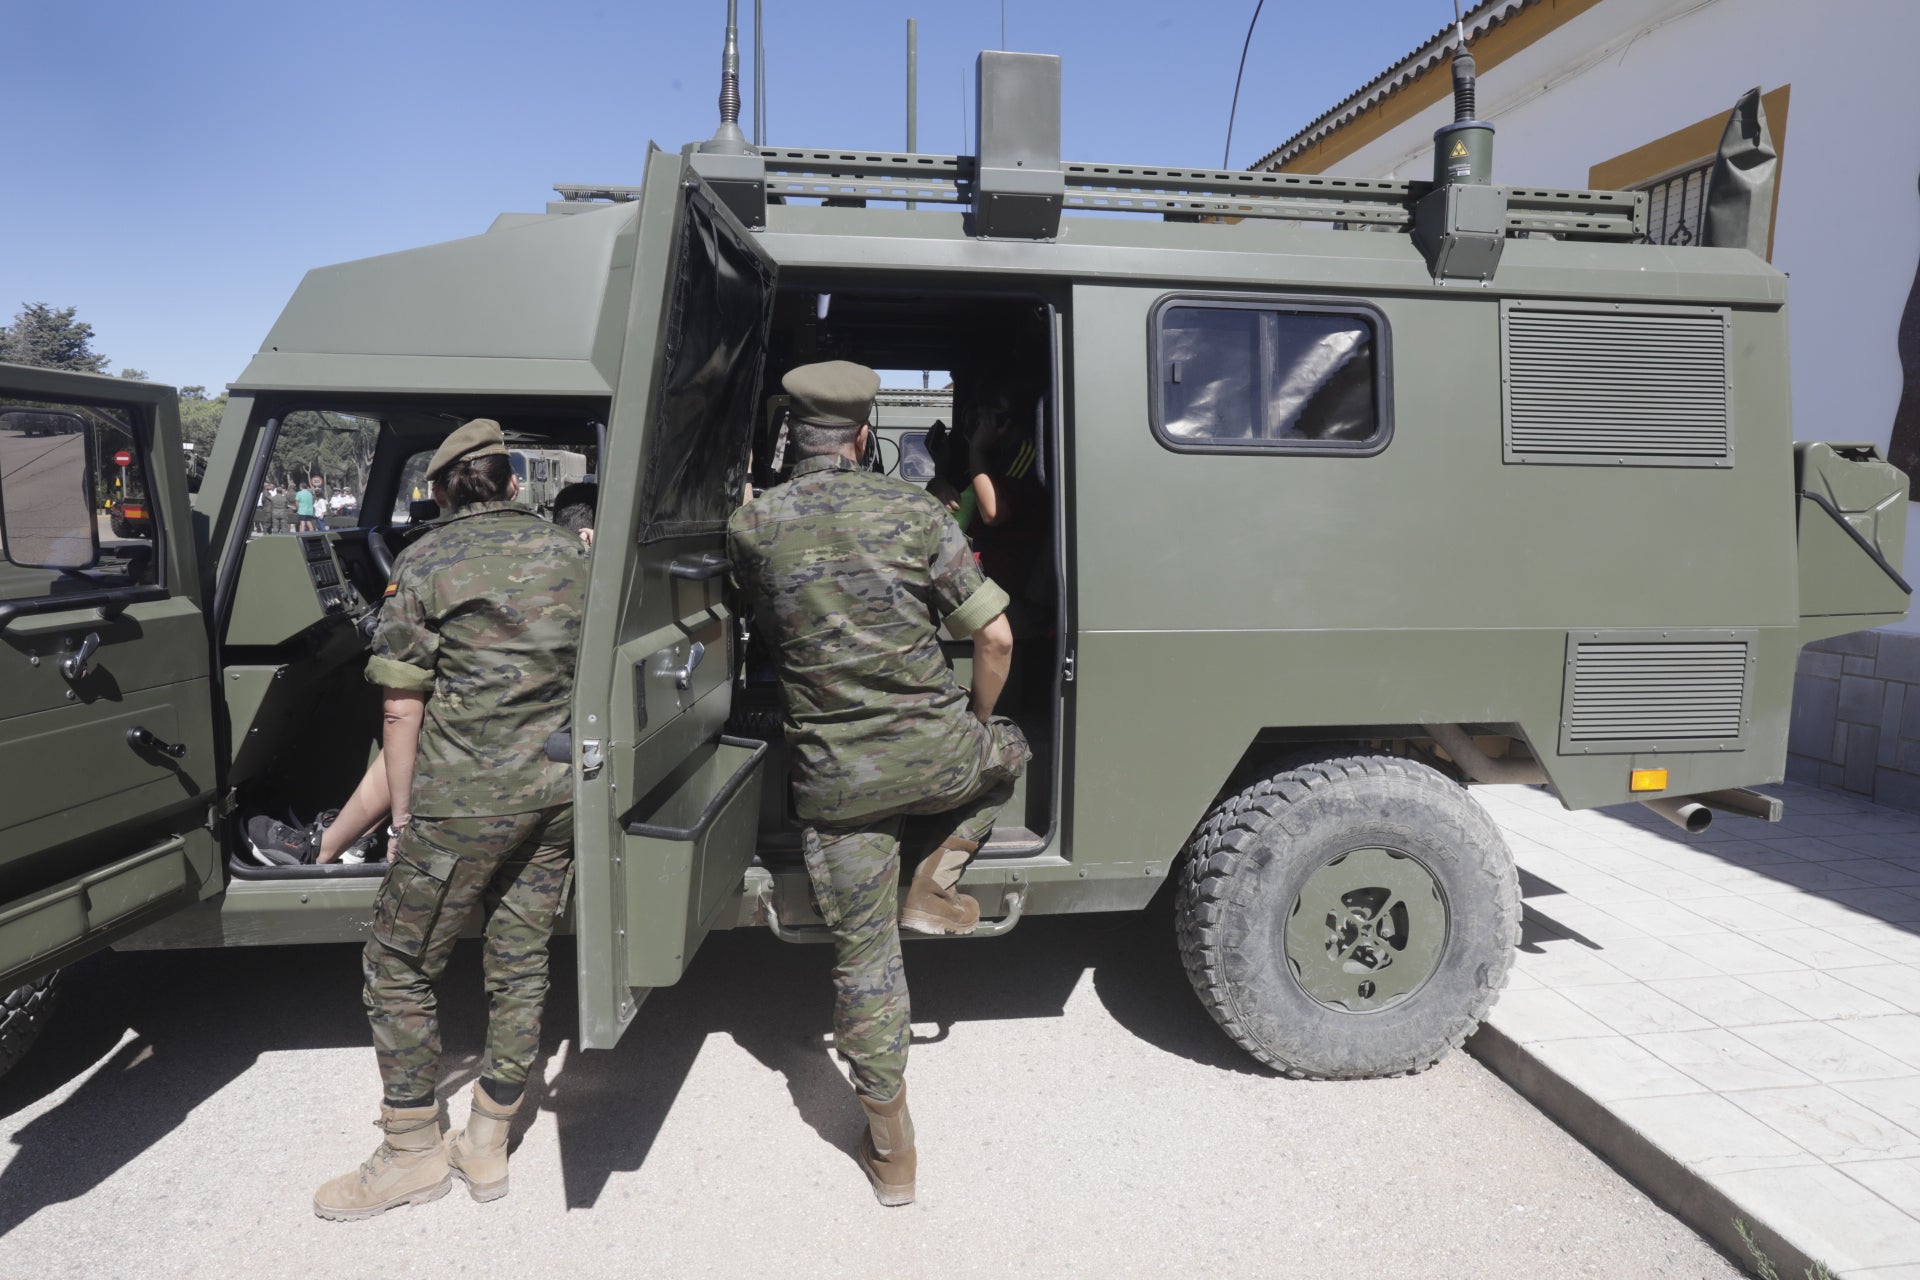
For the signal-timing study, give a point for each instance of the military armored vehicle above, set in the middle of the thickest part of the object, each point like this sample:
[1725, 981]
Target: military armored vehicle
[1357, 493]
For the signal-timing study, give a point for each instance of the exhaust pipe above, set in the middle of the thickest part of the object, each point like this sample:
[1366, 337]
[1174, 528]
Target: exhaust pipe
[1685, 812]
[1746, 802]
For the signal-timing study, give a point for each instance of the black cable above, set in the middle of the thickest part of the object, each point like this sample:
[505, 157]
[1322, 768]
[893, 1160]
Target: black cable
[1235, 109]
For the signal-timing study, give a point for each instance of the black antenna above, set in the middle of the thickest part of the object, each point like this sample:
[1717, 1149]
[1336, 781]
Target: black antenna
[1227, 152]
[727, 139]
[1463, 150]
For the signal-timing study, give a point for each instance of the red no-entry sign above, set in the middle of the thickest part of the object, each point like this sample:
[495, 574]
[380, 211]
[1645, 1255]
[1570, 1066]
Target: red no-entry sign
[123, 459]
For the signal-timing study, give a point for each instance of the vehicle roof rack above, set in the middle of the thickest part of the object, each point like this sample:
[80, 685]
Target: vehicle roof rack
[799, 173]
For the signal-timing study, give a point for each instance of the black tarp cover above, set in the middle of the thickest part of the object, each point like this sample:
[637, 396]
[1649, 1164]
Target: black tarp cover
[714, 367]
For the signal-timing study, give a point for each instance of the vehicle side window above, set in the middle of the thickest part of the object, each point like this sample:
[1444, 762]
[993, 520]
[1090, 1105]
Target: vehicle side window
[1249, 376]
[324, 455]
[916, 461]
[74, 509]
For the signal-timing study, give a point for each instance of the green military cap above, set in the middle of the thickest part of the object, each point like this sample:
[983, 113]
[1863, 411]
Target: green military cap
[835, 393]
[476, 439]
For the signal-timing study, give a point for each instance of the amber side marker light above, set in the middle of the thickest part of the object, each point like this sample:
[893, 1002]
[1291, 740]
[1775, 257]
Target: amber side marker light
[1648, 780]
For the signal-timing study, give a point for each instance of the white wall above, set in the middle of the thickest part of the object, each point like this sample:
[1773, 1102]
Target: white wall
[1627, 72]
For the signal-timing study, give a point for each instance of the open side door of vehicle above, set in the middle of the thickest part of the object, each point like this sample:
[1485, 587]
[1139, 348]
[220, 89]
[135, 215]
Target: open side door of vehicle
[666, 825]
[107, 749]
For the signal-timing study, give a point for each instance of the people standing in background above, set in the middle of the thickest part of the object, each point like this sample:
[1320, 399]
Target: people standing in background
[303, 508]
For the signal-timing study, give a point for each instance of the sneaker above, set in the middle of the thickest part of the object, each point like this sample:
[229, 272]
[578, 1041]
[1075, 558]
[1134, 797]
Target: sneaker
[365, 849]
[275, 844]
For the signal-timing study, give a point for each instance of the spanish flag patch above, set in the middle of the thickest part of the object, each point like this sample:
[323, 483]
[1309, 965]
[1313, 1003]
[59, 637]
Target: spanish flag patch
[392, 587]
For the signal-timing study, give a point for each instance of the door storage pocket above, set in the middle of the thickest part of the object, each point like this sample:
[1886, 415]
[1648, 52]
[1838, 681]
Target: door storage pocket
[411, 897]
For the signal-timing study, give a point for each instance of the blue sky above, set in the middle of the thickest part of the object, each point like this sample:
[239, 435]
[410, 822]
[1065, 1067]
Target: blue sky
[175, 168]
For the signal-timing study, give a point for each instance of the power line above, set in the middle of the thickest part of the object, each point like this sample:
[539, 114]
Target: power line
[1225, 155]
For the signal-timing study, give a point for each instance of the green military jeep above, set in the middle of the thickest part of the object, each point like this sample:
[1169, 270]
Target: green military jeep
[1345, 494]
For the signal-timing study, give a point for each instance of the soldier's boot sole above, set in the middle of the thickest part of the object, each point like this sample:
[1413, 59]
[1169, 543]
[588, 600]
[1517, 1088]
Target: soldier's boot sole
[887, 1154]
[890, 1194]
[409, 1167]
[477, 1154]
[939, 926]
[933, 905]
[482, 1191]
[425, 1195]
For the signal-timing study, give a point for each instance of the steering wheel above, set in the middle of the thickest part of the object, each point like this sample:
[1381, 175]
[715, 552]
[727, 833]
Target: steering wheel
[379, 551]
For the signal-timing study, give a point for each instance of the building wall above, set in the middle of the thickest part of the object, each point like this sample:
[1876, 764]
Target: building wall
[1619, 74]
[1856, 716]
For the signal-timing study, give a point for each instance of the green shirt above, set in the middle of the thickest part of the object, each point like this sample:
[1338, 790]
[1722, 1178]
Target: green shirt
[483, 616]
[852, 573]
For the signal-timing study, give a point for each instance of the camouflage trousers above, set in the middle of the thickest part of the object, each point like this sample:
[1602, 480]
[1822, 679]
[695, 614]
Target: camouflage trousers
[855, 871]
[516, 869]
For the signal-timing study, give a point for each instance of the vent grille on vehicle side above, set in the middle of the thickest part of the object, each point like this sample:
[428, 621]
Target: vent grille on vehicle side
[1640, 694]
[1643, 388]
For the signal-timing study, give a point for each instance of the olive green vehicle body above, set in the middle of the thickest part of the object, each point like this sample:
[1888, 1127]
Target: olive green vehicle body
[1215, 608]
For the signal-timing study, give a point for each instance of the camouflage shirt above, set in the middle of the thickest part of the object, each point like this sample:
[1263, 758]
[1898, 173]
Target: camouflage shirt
[483, 616]
[852, 574]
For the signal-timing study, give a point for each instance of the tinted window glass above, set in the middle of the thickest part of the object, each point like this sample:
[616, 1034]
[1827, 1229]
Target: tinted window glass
[74, 507]
[716, 346]
[916, 462]
[1253, 375]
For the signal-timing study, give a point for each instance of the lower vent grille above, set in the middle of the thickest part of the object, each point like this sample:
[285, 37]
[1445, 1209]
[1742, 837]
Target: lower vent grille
[1628, 693]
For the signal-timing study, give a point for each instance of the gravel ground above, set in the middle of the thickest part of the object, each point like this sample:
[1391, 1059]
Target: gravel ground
[1078, 1114]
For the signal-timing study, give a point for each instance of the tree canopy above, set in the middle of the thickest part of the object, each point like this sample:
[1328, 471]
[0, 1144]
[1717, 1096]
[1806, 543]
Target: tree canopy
[52, 338]
[56, 338]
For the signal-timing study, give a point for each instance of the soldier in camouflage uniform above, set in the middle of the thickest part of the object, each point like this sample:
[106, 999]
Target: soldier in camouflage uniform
[852, 574]
[475, 652]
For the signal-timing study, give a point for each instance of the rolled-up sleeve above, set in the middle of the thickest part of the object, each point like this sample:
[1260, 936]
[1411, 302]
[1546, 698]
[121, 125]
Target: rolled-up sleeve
[966, 598]
[406, 649]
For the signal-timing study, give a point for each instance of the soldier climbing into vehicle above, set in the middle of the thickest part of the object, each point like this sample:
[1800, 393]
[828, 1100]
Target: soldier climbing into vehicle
[853, 573]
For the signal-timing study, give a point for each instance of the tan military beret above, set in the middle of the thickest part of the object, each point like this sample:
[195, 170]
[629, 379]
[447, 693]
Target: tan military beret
[836, 393]
[476, 439]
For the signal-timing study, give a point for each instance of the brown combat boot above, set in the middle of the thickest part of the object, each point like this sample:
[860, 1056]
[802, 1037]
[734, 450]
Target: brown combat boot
[886, 1149]
[932, 905]
[478, 1153]
[409, 1167]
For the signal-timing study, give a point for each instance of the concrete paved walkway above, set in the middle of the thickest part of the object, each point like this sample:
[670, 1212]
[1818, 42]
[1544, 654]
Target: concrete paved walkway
[1733, 1018]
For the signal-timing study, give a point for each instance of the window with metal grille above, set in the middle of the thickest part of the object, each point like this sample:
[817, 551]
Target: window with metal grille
[1677, 205]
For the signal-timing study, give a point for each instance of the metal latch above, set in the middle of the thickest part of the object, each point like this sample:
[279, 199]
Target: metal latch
[590, 757]
[74, 665]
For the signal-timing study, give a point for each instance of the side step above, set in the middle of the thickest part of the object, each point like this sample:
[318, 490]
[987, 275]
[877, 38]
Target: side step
[769, 913]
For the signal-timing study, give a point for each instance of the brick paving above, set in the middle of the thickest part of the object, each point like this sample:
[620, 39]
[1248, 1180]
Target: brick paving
[1747, 1001]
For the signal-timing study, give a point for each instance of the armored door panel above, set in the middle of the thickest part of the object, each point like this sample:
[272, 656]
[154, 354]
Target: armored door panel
[665, 827]
[107, 750]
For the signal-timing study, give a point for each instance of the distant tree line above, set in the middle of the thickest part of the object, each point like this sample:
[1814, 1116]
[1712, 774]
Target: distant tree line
[333, 445]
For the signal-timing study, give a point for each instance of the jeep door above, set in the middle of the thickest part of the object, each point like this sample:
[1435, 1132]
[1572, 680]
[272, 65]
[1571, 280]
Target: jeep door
[666, 803]
[107, 748]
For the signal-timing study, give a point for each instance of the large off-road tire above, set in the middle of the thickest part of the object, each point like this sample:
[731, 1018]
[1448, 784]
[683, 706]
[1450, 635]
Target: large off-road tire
[1350, 918]
[23, 1013]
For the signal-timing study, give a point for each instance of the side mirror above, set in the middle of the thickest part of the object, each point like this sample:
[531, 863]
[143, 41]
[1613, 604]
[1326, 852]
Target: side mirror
[47, 508]
[422, 510]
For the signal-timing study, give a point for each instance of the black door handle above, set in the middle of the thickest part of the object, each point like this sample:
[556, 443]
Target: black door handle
[701, 568]
[141, 738]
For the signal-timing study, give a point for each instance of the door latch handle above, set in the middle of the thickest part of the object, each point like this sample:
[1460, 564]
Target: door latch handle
[683, 676]
[74, 665]
[701, 568]
[141, 738]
